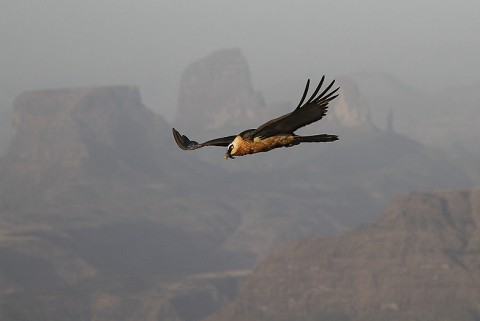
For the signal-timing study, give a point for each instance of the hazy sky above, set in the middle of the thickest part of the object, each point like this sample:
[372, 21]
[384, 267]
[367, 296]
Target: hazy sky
[59, 43]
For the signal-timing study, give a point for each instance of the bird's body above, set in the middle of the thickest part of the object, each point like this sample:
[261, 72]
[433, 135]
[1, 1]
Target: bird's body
[278, 132]
[257, 145]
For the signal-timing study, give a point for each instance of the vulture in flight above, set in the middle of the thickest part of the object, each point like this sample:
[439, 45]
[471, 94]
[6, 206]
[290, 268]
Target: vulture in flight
[275, 133]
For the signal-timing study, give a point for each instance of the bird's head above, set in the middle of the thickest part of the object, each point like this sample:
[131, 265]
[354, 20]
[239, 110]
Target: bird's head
[230, 149]
[233, 147]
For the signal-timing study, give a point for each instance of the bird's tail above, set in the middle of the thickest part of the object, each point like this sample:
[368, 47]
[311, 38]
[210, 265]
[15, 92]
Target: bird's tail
[316, 138]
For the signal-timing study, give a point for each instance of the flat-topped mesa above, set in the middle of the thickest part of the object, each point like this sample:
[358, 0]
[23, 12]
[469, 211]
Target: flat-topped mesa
[89, 130]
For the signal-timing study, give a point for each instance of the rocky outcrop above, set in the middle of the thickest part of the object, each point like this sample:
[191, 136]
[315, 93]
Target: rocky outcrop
[69, 137]
[351, 108]
[216, 91]
[421, 261]
[80, 129]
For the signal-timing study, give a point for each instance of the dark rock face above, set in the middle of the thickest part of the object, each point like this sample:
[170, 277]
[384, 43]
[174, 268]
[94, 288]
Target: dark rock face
[419, 262]
[77, 129]
[67, 138]
[216, 91]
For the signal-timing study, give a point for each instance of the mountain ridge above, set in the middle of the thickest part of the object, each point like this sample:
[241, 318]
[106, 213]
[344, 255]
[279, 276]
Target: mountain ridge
[418, 261]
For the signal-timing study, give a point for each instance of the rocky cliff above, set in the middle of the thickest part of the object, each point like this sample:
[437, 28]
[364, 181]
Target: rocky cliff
[351, 108]
[81, 130]
[421, 261]
[216, 91]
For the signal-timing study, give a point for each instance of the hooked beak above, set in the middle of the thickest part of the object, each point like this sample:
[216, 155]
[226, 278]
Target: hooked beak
[228, 155]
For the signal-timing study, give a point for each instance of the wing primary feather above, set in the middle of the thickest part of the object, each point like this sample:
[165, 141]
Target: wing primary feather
[329, 97]
[304, 94]
[323, 92]
[183, 142]
[312, 98]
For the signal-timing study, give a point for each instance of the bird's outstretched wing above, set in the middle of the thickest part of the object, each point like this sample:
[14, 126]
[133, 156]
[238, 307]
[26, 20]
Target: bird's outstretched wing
[186, 144]
[305, 113]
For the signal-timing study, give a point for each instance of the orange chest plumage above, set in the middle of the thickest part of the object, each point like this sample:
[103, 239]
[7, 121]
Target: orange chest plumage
[263, 145]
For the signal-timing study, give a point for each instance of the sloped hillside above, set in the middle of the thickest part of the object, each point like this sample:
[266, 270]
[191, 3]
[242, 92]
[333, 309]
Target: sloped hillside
[421, 261]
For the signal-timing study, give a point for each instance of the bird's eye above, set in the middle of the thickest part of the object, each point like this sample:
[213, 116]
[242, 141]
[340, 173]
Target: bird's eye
[230, 147]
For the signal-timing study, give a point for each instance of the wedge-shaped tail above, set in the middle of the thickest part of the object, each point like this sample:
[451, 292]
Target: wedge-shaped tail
[316, 138]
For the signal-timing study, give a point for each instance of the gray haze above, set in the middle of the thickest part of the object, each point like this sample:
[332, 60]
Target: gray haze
[102, 216]
[429, 44]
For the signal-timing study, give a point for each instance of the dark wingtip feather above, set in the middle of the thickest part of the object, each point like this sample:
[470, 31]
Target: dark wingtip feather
[178, 139]
[312, 98]
[327, 89]
[304, 94]
[182, 141]
[329, 96]
[316, 98]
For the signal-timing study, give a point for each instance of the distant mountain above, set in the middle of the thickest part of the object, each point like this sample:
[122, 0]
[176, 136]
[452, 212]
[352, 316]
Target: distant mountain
[216, 91]
[446, 119]
[419, 261]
